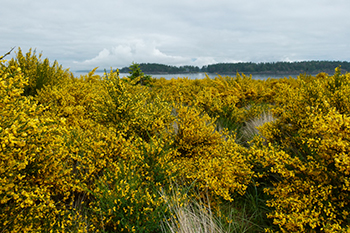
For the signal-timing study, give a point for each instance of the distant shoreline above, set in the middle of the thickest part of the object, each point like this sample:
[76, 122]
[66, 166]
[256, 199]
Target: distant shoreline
[213, 73]
[198, 75]
[273, 68]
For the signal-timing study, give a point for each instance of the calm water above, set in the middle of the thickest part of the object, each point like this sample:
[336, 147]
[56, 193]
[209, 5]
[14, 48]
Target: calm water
[196, 75]
[202, 75]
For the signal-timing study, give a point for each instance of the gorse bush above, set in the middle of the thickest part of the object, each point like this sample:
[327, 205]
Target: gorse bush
[312, 126]
[133, 108]
[204, 155]
[97, 153]
[56, 158]
[35, 184]
[39, 72]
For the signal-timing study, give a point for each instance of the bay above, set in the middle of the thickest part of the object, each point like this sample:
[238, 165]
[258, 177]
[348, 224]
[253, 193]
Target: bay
[211, 75]
[196, 75]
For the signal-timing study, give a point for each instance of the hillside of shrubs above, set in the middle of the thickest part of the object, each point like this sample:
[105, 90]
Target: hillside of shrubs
[138, 154]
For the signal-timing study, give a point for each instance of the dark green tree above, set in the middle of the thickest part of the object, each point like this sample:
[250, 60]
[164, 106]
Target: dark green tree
[136, 72]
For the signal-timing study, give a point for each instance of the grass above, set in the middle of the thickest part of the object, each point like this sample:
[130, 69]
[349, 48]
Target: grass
[188, 215]
[251, 127]
[191, 215]
[240, 220]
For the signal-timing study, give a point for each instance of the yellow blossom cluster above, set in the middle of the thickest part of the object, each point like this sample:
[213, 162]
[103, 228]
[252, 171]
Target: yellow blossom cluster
[32, 174]
[223, 96]
[95, 153]
[313, 131]
[209, 157]
[57, 155]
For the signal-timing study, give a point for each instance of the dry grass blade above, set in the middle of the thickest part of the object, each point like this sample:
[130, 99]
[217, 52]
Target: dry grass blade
[189, 217]
[251, 128]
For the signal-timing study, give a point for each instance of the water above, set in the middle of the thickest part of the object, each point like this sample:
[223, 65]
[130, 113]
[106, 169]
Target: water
[196, 75]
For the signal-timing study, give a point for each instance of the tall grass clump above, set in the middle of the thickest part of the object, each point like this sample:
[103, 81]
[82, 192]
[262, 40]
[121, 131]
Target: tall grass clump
[189, 215]
[191, 211]
[251, 127]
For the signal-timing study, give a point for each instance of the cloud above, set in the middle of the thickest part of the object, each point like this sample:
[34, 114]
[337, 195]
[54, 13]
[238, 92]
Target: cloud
[83, 34]
[139, 51]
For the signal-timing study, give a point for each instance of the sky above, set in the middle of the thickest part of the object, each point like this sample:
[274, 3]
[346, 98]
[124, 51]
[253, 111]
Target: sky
[84, 34]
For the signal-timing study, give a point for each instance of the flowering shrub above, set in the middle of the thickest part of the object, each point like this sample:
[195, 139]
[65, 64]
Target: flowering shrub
[127, 195]
[35, 184]
[39, 72]
[72, 100]
[55, 162]
[312, 127]
[208, 157]
[125, 106]
[96, 154]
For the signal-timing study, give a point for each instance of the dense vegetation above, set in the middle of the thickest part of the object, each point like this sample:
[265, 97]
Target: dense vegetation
[154, 68]
[309, 67]
[110, 154]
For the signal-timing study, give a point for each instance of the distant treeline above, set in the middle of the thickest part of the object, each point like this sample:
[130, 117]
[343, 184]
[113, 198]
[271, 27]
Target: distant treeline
[309, 67]
[155, 68]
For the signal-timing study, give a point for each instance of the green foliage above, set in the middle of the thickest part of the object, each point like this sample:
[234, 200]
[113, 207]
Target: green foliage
[154, 68]
[308, 67]
[128, 196]
[136, 73]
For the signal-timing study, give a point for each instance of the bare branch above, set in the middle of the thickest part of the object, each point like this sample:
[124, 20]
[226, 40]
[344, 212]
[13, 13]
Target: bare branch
[8, 53]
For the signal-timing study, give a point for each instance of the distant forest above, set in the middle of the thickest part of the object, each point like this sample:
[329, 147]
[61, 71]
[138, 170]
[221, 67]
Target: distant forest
[310, 67]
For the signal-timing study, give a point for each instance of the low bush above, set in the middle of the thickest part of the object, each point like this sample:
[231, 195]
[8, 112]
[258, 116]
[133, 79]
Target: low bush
[101, 153]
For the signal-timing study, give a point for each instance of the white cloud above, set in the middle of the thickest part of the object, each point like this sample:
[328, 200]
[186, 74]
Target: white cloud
[139, 51]
[103, 55]
[82, 34]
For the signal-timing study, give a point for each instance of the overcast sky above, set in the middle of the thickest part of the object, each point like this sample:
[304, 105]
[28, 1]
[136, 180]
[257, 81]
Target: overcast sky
[83, 34]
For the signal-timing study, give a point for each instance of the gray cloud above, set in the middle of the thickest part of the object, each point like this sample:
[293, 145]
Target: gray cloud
[83, 34]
